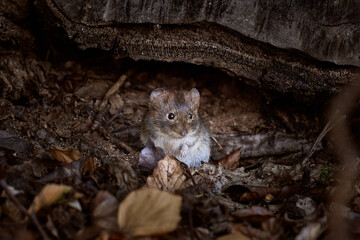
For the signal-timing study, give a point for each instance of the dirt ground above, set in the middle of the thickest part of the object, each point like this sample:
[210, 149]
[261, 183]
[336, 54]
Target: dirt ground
[78, 128]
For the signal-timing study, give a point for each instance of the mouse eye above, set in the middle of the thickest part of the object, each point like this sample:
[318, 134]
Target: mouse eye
[190, 116]
[171, 116]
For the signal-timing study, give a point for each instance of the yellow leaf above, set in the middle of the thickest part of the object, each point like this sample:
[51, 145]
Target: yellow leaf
[149, 212]
[50, 194]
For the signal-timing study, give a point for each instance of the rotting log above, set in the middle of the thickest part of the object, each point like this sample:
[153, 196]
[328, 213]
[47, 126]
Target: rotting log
[231, 35]
[301, 47]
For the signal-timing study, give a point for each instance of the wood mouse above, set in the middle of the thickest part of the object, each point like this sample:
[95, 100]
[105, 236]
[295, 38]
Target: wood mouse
[172, 122]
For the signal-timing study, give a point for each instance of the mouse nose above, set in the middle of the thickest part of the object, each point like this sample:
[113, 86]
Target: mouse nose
[184, 132]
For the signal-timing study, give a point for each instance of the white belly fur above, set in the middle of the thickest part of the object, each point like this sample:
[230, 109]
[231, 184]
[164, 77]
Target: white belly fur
[197, 150]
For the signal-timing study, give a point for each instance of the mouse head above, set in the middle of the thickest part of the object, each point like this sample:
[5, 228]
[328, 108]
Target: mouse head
[175, 112]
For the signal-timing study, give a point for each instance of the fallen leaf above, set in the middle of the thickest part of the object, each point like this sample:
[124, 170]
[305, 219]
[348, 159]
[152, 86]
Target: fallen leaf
[274, 227]
[70, 172]
[104, 204]
[168, 175]
[231, 161]
[104, 210]
[93, 89]
[149, 157]
[234, 236]
[253, 214]
[116, 103]
[149, 212]
[13, 142]
[66, 156]
[49, 195]
[88, 166]
[252, 232]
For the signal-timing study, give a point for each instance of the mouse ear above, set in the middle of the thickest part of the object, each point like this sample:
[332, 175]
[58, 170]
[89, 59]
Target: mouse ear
[195, 95]
[157, 93]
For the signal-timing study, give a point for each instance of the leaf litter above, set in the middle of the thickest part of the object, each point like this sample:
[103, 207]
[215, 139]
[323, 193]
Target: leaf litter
[72, 156]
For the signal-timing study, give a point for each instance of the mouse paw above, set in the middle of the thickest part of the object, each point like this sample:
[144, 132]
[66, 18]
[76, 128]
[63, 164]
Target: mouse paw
[184, 149]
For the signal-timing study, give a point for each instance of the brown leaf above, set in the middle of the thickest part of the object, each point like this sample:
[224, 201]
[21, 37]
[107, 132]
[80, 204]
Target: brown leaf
[65, 156]
[104, 204]
[50, 194]
[252, 232]
[88, 166]
[104, 210]
[149, 212]
[168, 175]
[253, 214]
[71, 171]
[116, 103]
[234, 236]
[231, 161]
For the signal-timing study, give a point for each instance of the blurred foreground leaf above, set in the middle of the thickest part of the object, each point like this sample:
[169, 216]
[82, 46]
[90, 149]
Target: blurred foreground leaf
[148, 212]
[50, 194]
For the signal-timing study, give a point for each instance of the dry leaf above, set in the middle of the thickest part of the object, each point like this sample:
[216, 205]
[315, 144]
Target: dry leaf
[253, 214]
[104, 210]
[234, 236]
[66, 156]
[50, 194]
[231, 161]
[104, 204]
[116, 103]
[168, 175]
[148, 212]
[88, 166]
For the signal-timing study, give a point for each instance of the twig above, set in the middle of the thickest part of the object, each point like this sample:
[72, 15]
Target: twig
[116, 115]
[112, 90]
[125, 147]
[330, 125]
[32, 216]
[109, 93]
[216, 141]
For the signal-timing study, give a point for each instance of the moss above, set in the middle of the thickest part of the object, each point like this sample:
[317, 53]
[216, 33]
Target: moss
[326, 173]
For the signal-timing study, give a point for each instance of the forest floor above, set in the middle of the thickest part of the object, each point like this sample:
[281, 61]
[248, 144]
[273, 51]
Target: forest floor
[69, 155]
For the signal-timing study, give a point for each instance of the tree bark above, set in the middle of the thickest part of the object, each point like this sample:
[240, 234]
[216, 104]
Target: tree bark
[230, 35]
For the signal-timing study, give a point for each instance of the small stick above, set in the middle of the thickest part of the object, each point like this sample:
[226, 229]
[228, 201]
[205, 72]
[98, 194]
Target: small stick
[330, 125]
[32, 216]
[109, 93]
[216, 141]
[126, 147]
[117, 114]
[112, 90]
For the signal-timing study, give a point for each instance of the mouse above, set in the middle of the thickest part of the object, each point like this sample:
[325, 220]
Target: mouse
[173, 123]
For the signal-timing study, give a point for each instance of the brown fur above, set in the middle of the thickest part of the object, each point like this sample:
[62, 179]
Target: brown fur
[157, 126]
